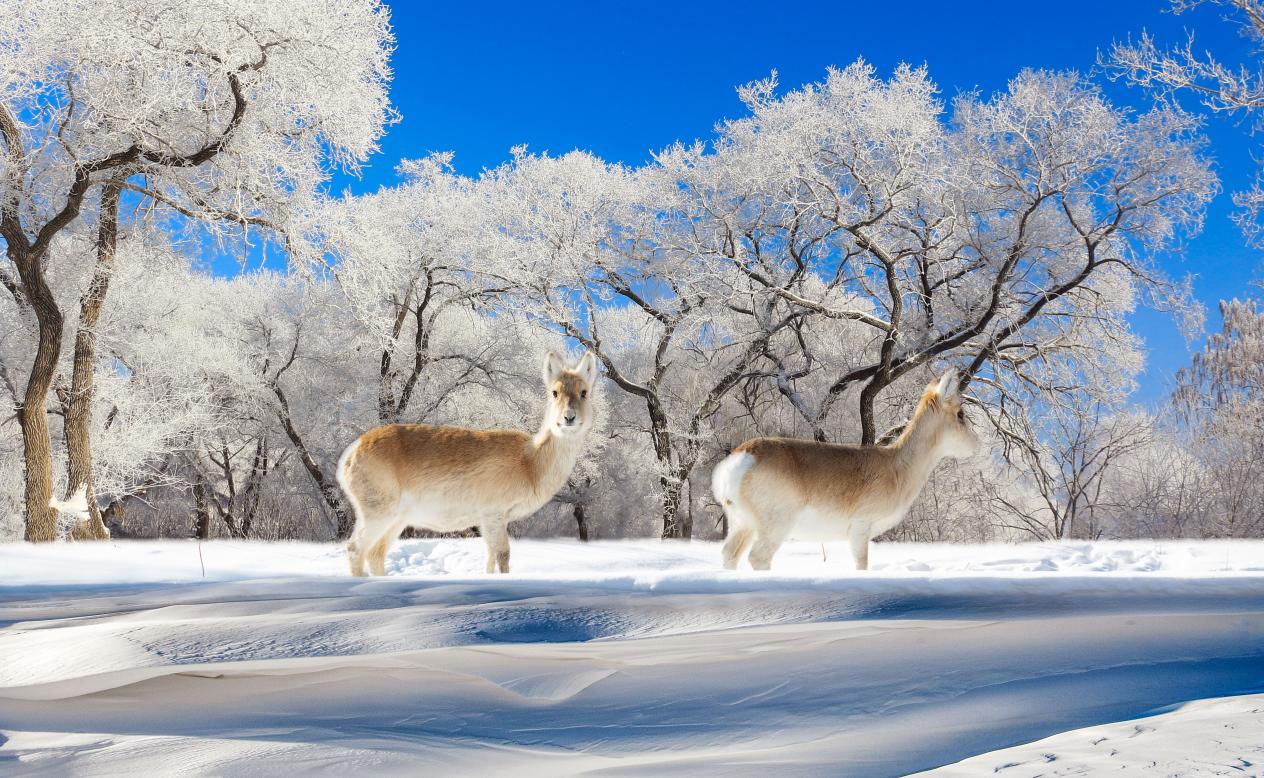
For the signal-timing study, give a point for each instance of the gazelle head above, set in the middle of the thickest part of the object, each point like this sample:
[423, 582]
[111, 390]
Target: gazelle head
[570, 394]
[943, 407]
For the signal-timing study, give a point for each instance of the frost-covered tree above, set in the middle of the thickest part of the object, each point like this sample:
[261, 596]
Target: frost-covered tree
[847, 237]
[1077, 451]
[218, 110]
[595, 252]
[1228, 375]
[264, 356]
[1194, 469]
[1161, 489]
[1222, 397]
[1223, 87]
[411, 262]
[955, 506]
[1009, 238]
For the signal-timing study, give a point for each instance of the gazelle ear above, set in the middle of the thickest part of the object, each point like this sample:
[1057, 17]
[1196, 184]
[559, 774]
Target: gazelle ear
[587, 368]
[553, 367]
[947, 386]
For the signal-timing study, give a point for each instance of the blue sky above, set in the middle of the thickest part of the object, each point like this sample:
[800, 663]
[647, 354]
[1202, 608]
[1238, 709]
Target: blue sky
[622, 80]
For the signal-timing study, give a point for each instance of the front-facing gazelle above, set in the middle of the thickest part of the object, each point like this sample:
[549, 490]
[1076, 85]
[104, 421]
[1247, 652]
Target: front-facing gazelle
[448, 478]
[774, 489]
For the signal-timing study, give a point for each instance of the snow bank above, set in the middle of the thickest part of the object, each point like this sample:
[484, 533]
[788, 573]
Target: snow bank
[128, 562]
[637, 657]
[1206, 737]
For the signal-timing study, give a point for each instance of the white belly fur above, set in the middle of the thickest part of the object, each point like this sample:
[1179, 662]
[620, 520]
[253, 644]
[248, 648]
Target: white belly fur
[816, 525]
[812, 524]
[438, 516]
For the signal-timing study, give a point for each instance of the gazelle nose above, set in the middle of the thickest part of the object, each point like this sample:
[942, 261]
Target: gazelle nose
[570, 417]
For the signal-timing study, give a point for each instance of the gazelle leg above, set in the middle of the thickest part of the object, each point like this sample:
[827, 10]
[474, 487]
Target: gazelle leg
[738, 541]
[860, 548]
[375, 511]
[355, 555]
[362, 542]
[767, 541]
[497, 536]
[377, 554]
[371, 544]
[356, 548]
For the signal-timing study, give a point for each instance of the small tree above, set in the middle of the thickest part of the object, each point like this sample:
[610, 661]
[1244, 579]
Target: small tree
[1222, 398]
[1071, 469]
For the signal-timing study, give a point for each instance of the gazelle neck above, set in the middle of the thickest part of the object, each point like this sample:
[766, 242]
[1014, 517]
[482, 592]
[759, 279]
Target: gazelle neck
[918, 448]
[553, 456]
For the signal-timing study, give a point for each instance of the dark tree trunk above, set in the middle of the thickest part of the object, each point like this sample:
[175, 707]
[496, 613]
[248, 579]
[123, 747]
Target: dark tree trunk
[674, 524]
[328, 490]
[868, 428]
[689, 508]
[581, 520]
[41, 519]
[78, 418]
[202, 511]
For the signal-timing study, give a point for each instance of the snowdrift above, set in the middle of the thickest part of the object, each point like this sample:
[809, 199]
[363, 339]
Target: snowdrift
[626, 657]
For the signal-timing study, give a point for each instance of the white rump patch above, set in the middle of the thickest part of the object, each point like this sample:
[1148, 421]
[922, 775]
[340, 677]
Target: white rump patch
[726, 479]
[341, 472]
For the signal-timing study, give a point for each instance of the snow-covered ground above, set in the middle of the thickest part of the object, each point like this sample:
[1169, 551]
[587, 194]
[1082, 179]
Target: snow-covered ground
[1221, 736]
[631, 658]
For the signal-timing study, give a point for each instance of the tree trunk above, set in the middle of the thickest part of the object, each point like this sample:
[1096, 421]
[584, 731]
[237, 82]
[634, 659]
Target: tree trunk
[202, 511]
[329, 491]
[1068, 522]
[78, 419]
[689, 509]
[868, 428]
[41, 520]
[581, 520]
[674, 524]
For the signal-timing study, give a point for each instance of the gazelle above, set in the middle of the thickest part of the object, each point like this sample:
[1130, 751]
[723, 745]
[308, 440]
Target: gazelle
[449, 478]
[773, 489]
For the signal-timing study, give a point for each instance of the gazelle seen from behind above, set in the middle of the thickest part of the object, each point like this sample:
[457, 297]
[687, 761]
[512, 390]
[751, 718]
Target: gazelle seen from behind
[774, 489]
[448, 478]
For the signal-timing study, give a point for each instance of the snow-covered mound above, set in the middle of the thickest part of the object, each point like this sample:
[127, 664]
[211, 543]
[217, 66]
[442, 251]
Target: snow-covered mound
[642, 560]
[639, 657]
[1224, 736]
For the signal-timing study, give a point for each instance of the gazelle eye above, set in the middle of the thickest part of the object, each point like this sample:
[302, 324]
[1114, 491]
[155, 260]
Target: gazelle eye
[961, 414]
[584, 393]
[555, 393]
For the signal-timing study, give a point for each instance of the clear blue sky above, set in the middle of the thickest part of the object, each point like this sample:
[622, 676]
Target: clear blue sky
[622, 80]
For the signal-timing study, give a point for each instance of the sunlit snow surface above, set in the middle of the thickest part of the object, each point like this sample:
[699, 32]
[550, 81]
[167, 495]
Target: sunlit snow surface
[632, 658]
